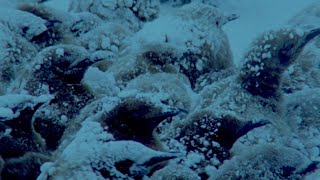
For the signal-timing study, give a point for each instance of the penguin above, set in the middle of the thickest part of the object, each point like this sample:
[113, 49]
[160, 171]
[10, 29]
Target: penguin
[203, 47]
[25, 167]
[59, 71]
[20, 52]
[212, 136]
[266, 161]
[132, 14]
[71, 28]
[302, 111]
[175, 88]
[270, 56]
[22, 137]
[108, 160]
[136, 119]
[54, 32]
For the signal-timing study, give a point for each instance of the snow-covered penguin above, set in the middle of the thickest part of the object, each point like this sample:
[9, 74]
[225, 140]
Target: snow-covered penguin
[58, 70]
[270, 56]
[136, 119]
[266, 161]
[212, 136]
[193, 43]
[19, 136]
[132, 14]
[92, 153]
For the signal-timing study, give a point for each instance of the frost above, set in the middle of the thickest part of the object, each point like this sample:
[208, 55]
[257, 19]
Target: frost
[60, 51]
[100, 83]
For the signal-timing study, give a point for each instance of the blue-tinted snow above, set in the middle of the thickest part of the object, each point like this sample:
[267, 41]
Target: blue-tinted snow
[293, 135]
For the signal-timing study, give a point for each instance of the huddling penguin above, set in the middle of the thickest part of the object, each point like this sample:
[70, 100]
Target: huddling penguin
[23, 150]
[95, 153]
[127, 101]
[192, 44]
[266, 161]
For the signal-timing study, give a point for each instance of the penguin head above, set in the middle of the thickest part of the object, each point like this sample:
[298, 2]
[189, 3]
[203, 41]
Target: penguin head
[293, 46]
[136, 119]
[60, 65]
[213, 135]
[269, 57]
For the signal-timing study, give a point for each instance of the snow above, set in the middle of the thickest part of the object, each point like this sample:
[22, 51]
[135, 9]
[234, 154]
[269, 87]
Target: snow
[176, 56]
[10, 102]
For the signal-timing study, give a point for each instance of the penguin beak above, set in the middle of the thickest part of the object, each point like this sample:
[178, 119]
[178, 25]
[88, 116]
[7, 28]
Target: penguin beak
[250, 126]
[158, 159]
[311, 35]
[313, 166]
[156, 119]
[84, 64]
[75, 72]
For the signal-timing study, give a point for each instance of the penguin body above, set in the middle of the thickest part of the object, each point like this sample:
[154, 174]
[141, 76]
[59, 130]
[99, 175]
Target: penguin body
[212, 136]
[59, 71]
[192, 45]
[25, 167]
[56, 24]
[22, 137]
[265, 161]
[132, 13]
[175, 88]
[175, 172]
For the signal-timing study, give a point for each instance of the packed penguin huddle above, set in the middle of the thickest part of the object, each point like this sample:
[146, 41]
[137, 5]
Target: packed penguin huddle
[147, 89]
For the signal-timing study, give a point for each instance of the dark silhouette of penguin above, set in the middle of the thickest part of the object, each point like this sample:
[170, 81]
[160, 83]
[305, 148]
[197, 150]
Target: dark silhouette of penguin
[136, 119]
[25, 167]
[272, 53]
[213, 136]
[22, 138]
